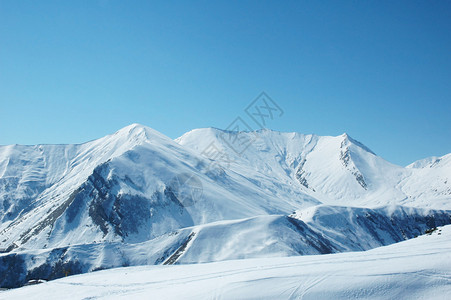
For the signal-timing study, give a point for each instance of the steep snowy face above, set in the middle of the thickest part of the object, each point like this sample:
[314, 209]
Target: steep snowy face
[74, 188]
[334, 170]
[40, 183]
[30, 173]
[429, 183]
[342, 171]
[122, 188]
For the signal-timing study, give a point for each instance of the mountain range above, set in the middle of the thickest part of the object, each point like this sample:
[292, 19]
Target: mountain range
[137, 197]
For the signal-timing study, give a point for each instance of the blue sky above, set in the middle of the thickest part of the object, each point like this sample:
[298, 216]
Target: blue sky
[72, 71]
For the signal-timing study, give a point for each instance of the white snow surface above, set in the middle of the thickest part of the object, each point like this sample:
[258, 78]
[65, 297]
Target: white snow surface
[111, 202]
[416, 269]
[334, 170]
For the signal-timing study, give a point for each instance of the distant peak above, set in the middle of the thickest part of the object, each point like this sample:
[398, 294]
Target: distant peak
[132, 129]
[134, 126]
[259, 132]
[347, 138]
[267, 133]
[431, 162]
[345, 135]
[138, 131]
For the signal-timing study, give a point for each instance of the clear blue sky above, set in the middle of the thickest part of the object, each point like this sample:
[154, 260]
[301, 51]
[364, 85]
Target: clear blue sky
[72, 71]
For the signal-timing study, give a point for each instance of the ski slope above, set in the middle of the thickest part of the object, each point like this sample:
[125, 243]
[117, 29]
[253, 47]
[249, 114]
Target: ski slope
[416, 269]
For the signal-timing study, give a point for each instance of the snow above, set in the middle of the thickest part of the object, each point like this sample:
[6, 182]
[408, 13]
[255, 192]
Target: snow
[319, 230]
[414, 269]
[112, 202]
[333, 170]
[139, 162]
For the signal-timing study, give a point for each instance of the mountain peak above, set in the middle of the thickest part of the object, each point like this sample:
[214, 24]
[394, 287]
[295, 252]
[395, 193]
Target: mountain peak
[133, 128]
[431, 162]
[139, 132]
[347, 138]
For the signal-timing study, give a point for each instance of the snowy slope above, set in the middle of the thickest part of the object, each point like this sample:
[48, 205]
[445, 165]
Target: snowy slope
[414, 269]
[120, 188]
[315, 230]
[429, 181]
[31, 173]
[335, 170]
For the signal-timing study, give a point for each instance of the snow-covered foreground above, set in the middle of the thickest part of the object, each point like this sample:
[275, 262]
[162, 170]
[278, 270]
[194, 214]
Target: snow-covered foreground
[415, 269]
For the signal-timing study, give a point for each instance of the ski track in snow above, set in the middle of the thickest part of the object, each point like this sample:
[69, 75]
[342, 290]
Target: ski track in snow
[414, 269]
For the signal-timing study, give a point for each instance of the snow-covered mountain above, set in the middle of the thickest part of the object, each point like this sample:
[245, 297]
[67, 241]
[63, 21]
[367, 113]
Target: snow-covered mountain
[137, 197]
[334, 170]
[121, 188]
